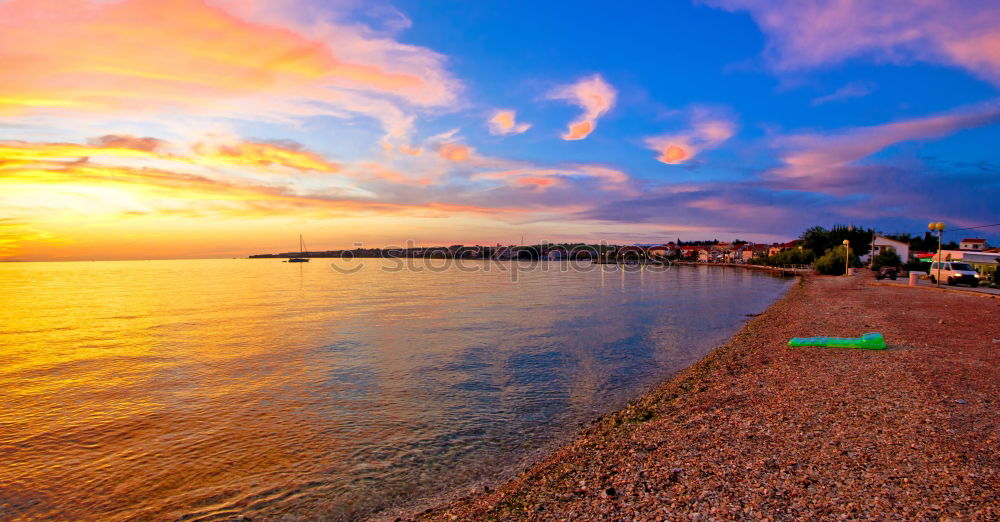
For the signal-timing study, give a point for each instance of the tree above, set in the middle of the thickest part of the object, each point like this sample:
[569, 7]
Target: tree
[832, 262]
[816, 239]
[792, 256]
[819, 239]
[860, 238]
[887, 257]
[927, 243]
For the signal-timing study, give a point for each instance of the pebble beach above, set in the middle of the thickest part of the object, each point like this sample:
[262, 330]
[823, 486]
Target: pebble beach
[759, 429]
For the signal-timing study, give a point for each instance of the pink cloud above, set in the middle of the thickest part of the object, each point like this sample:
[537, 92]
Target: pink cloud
[504, 122]
[455, 152]
[609, 179]
[146, 56]
[808, 33]
[412, 151]
[737, 208]
[594, 95]
[538, 182]
[828, 162]
[706, 132]
[383, 173]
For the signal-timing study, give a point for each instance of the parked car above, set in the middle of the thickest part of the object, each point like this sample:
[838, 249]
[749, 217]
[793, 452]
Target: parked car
[954, 273]
[887, 271]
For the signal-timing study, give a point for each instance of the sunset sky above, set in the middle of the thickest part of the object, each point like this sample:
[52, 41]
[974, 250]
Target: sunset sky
[138, 129]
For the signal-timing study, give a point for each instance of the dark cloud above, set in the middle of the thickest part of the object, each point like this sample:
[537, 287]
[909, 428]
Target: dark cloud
[889, 197]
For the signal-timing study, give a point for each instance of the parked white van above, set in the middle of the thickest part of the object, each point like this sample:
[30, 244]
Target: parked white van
[954, 273]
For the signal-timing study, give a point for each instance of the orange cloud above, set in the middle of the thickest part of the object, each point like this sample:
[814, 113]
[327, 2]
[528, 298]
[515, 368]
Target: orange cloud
[412, 151]
[262, 154]
[230, 152]
[28, 166]
[579, 131]
[149, 55]
[70, 191]
[14, 153]
[13, 234]
[705, 133]
[595, 96]
[504, 122]
[673, 154]
[376, 171]
[455, 152]
[539, 182]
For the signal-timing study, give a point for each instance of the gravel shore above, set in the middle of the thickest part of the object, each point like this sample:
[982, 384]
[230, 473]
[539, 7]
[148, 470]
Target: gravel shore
[761, 430]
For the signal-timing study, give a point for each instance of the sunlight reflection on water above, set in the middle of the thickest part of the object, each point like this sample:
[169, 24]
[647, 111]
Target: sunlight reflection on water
[159, 389]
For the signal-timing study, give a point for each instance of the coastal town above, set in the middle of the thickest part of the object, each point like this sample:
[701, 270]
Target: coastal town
[903, 252]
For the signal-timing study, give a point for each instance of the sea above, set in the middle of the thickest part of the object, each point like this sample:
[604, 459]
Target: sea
[328, 390]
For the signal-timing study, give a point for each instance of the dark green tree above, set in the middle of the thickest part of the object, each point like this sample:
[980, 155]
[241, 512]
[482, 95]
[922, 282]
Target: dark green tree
[886, 258]
[832, 262]
[816, 239]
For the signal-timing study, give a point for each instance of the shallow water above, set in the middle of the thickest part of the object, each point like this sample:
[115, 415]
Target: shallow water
[215, 388]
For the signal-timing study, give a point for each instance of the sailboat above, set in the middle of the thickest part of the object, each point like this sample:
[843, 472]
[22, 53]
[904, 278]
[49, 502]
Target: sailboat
[302, 252]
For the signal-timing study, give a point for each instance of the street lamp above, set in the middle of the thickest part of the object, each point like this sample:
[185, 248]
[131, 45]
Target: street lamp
[937, 228]
[847, 257]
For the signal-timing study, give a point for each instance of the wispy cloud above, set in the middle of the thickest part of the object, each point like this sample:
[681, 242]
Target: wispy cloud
[48, 179]
[594, 95]
[829, 162]
[13, 234]
[221, 150]
[456, 175]
[851, 90]
[210, 151]
[607, 178]
[808, 34]
[504, 122]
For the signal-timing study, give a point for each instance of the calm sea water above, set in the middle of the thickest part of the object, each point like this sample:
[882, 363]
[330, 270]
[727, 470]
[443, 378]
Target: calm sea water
[219, 388]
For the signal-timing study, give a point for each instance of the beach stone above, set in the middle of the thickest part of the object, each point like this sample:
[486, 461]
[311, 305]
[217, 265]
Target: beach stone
[763, 431]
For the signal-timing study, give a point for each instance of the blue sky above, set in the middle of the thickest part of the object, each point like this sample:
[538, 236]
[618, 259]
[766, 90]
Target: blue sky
[370, 122]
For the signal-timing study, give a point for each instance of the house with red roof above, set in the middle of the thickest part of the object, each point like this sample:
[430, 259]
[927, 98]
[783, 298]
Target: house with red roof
[748, 252]
[975, 244]
[661, 250]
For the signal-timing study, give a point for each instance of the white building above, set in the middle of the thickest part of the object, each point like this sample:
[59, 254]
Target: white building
[974, 244]
[883, 243]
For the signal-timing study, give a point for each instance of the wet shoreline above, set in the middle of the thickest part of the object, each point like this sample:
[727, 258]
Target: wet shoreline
[760, 429]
